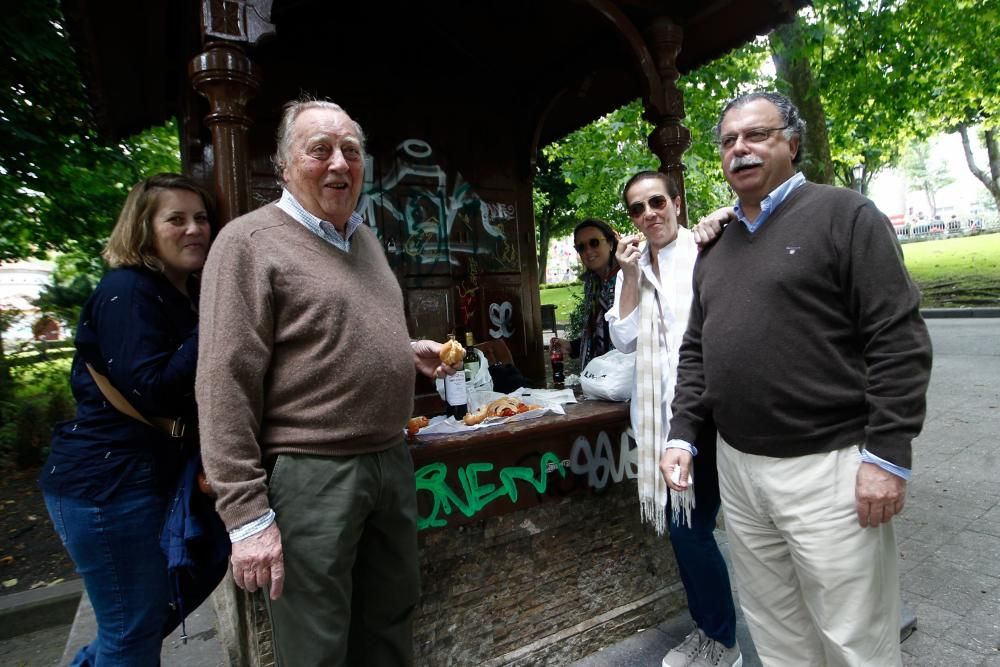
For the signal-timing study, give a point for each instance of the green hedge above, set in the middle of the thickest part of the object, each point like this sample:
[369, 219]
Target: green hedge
[41, 397]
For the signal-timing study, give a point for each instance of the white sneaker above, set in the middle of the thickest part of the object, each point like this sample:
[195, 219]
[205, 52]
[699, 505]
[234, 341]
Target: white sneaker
[684, 653]
[715, 654]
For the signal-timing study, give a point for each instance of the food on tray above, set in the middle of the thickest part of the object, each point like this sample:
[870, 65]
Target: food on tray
[505, 406]
[415, 424]
[451, 352]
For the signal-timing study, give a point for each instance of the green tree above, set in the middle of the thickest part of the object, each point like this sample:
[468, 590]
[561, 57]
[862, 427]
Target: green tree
[599, 158]
[554, 215]
[62, 185]
[74, 277]
[925, 173]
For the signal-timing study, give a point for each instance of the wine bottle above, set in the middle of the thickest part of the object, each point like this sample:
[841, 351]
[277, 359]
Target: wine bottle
[470, 364]
[454, 392]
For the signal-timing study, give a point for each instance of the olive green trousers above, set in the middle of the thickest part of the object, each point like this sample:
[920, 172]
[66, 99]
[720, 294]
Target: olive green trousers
[352, 577]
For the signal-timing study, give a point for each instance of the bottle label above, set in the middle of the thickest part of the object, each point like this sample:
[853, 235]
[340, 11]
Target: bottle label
[454, 389]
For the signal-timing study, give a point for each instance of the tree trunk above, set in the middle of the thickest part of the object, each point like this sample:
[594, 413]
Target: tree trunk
[544, 234]
[792, 65]
[990, 180]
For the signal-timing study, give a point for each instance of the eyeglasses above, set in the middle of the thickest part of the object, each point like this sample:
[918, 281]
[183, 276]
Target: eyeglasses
[752, 136]
[593, 243]
[656, 203]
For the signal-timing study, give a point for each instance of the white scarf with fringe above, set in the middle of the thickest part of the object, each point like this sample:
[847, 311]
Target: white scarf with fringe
[656, 335]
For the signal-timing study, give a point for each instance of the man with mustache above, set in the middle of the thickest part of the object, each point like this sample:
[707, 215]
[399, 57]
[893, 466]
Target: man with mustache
[305, 383]
[806, 345]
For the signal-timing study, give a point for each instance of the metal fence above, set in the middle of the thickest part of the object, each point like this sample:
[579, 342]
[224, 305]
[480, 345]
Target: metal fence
[941, 229]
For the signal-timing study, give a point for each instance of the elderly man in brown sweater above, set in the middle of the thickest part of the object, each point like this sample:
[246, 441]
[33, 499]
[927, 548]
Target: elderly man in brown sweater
[305, 383]
[806, 345]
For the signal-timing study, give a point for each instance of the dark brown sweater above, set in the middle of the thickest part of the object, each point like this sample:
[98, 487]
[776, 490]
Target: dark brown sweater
[806, 336]
[303, 349]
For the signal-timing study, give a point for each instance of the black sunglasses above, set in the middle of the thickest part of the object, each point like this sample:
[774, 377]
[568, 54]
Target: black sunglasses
[656, 203]
[593, 243]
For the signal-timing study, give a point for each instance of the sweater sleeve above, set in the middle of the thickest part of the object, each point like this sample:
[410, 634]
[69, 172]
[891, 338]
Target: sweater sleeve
[688, 410]
[885, 305]
[234, 353]
[624, 330]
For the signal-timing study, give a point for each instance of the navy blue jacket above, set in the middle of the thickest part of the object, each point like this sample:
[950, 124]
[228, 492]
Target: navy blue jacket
[142, 333]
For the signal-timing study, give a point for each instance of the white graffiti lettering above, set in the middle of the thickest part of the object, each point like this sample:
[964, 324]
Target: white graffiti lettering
[599, 465]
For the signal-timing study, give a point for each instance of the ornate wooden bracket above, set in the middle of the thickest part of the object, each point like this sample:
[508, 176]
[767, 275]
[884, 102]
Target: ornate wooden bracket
[237, 20]
[227, 78]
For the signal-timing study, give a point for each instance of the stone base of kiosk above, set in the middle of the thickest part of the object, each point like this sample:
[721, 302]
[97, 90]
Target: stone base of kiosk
[547, 585]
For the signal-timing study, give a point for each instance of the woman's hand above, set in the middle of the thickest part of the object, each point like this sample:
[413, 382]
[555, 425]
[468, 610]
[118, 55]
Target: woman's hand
[627, 255]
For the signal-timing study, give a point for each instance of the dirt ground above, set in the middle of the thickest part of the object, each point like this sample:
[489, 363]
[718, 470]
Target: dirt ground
[31, 554]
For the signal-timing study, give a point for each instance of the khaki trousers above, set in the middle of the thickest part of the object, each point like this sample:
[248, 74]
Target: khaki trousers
[352, 577]
[815, 587]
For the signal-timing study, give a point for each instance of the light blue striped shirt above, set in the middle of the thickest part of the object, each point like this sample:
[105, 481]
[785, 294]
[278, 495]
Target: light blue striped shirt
[321, 228]
[770, 202]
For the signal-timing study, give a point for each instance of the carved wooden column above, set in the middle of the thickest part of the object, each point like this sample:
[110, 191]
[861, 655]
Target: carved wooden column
[669, 139]
[226, 77]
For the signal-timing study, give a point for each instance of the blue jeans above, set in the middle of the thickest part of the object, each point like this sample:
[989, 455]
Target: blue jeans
[115, 546]
[702, 568]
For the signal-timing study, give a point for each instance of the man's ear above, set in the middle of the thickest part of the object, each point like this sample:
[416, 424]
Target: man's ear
[793, 144]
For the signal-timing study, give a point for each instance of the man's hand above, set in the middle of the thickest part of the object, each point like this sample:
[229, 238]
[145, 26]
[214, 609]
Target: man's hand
[426, 357]
[258, 563]
[710, 227]
[879, 495]
[672, 459]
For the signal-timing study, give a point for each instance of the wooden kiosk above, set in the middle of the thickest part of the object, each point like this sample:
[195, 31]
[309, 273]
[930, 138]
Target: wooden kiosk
[531, 544]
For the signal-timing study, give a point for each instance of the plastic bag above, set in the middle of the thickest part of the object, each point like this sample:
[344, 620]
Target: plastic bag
[609, 376]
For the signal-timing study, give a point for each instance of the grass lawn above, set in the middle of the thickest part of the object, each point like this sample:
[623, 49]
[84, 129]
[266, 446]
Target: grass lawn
[962, 271]
[563, 298]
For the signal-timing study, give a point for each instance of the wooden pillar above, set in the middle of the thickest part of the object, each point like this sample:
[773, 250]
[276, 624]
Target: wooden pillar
[227, 78]
[669, 138]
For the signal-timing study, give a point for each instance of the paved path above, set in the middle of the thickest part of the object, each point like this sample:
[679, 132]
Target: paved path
[949, 533]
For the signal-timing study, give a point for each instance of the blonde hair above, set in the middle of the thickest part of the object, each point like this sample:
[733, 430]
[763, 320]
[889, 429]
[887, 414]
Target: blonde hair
[131, 241]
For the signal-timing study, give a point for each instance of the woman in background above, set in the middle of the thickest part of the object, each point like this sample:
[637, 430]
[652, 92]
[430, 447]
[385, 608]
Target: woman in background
[109, 475]
[595, 242]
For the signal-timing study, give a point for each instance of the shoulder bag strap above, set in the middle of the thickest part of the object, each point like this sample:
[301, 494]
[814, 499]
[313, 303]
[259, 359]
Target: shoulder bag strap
[173, 427]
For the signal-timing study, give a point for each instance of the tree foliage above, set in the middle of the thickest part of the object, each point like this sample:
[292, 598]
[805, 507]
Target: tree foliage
[599, 158]
[924, 172]
[870, 77]
[62, 185]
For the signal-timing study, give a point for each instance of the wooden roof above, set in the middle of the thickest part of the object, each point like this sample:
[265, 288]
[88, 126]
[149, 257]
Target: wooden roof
[571, 60]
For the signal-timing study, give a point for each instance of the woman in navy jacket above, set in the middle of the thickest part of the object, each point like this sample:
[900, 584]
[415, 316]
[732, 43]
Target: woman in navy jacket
[108, 477]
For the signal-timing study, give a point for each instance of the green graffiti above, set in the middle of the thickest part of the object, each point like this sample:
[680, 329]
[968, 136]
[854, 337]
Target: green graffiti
[477, 492]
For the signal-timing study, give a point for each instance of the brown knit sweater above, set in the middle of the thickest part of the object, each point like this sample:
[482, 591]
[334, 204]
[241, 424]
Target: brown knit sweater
[806, 336]
[303, 349]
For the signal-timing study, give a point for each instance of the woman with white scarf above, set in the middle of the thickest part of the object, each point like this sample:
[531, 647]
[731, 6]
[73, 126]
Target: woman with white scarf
[650, 314]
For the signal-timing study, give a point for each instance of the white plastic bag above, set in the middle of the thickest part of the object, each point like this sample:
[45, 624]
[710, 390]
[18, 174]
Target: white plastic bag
[481, 383]
[609, 376]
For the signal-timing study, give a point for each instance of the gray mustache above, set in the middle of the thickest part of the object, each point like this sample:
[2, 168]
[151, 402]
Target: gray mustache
[744, 161]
